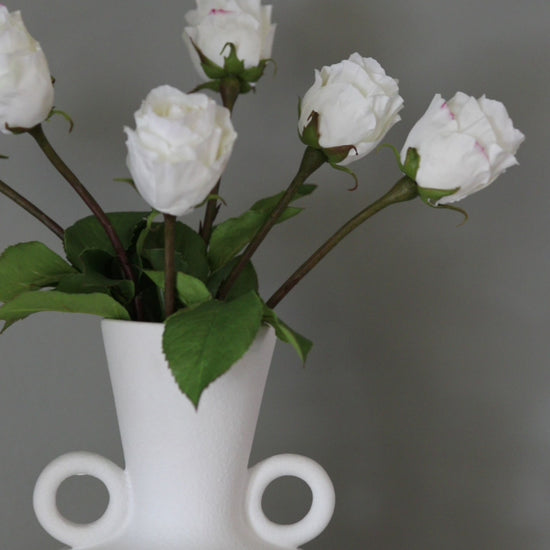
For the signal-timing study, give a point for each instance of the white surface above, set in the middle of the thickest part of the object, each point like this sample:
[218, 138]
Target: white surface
[186, 483]
[318, 516]
[74, 464]
[427, 393]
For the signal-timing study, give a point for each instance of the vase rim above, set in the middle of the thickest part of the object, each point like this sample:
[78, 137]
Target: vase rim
[125, 322]
[128, 322]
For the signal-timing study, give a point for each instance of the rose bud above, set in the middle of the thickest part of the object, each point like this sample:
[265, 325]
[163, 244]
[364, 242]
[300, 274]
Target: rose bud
[460, 146]
[179, 149]
[216, 23]
[26, 89]
[351, 106]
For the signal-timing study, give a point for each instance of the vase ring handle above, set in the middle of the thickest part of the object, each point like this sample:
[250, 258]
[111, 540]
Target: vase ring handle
[322, 505]
[75, 464]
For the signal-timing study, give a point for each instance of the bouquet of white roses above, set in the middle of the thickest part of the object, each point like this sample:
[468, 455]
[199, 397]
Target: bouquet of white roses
[201, 283]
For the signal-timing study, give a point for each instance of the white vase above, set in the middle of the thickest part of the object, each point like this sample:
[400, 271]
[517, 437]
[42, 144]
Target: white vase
[187, 485]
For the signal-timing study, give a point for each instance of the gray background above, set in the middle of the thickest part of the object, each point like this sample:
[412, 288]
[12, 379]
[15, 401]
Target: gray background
[427, 394]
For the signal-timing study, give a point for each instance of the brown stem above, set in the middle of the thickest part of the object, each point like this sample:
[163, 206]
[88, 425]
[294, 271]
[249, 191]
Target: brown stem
[230, 88]
[311, 161]
[40, 137]
[210, 215]
[31, 209]
[404, 190]
[169, 264]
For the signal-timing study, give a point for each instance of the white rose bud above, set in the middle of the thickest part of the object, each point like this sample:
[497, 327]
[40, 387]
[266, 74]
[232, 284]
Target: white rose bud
[463, 145]
[244, 23]
[357, 104]
[179, 149]
[26, 89]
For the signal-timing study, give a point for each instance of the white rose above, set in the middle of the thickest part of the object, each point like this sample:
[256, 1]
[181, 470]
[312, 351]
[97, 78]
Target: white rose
[244, 23]
[357, 104]
[26, 90]
[464, 144]
[179, 149]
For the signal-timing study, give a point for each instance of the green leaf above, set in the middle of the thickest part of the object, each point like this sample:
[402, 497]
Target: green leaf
[269, 203]
[231, 236]
[98, 277]
[191, 291]
[88, 233]
[38, 301]
[155, 257]
[301, 344]
[149, 222]
[203, 342]
[30, 266]
[190, 250]
[247, 281]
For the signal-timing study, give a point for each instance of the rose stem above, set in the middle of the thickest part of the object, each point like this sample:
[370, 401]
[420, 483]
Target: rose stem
[31, 209]
[311, 161]
[229, 90]
[169, 264]
[404, 190]
[40, 137]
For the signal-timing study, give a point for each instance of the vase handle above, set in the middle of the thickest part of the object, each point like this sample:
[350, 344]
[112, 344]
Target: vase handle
[74, 464]
[322, 505]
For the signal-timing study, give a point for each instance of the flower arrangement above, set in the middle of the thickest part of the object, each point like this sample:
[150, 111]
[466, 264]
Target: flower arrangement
[201, 283]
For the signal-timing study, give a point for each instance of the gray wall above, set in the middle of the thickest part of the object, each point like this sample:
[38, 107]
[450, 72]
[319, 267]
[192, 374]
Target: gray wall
[427, 395]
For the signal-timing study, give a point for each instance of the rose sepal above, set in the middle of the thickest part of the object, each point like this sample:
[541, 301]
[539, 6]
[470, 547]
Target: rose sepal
[310, 134]
[412, 163]
[16, 130]
[232, 64]
[334, 155]
[65, 115]
[211, 69]
[431, 197]
[233, 67]
[214, 85]
[347, 171]
[253, 74]
[337, 154]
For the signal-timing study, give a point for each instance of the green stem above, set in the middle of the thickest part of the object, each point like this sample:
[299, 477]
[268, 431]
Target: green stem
[229, 90]
[169, 264]
[32, 209]
[404, 190]
[40, 137]
[311, 161]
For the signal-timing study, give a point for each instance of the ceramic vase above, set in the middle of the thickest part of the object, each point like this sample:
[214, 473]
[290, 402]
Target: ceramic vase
[186, 483]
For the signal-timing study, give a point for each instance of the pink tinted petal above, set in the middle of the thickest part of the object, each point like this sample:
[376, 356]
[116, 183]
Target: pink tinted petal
[481, 149]
[447, 109]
